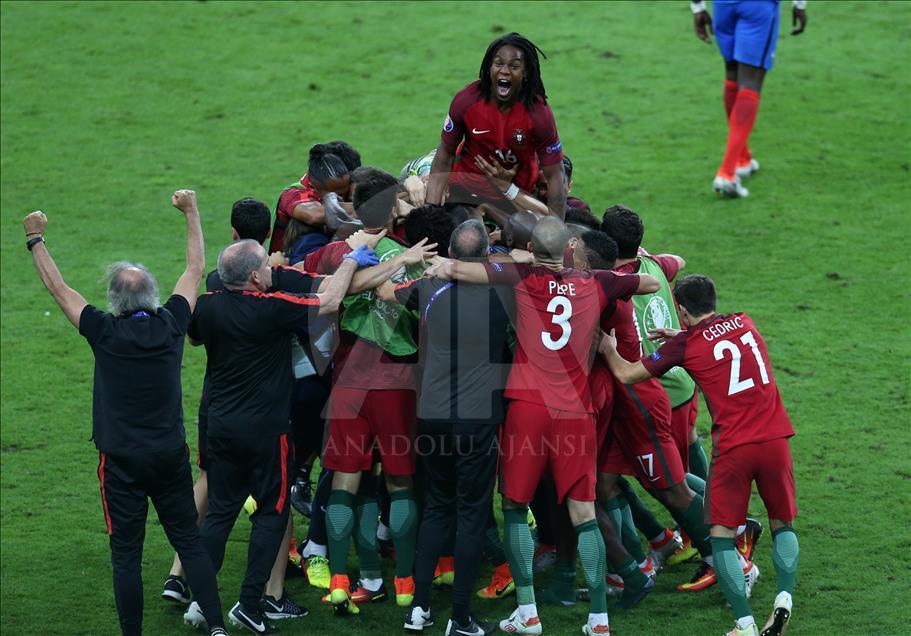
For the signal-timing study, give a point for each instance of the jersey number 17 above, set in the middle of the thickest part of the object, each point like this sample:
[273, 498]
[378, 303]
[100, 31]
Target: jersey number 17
[737, 385]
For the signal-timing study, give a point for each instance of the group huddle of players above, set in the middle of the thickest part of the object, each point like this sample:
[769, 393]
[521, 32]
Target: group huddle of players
[604, 362]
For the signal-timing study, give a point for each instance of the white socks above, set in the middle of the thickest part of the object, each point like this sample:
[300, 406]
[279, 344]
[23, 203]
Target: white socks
[313, 549]
[527, 611]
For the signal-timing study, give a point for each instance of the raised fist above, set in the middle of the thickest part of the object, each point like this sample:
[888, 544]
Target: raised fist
[35, 223]
[184, 200]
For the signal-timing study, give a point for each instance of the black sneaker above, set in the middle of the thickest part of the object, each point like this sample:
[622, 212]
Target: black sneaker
[302, 494]
[277, 609]
[176, 590]
[746, 542]
[256, 623]
[471, 628]
[631, 598]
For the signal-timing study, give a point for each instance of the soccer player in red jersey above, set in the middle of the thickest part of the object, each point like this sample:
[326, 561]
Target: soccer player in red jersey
[750, 429]
[502, 117]
[328, 175]
[549, 425]
[747, 32]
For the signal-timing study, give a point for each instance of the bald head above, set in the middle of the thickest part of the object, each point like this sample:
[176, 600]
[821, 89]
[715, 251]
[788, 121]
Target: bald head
[518, 229]
[131, 288]
[239, 260]
[549, 239]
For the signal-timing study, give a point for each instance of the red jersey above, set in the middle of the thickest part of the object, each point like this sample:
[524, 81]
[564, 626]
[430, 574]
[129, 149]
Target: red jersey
[289, 199]
[670, 266]
[643, 395]
[360, 363]
[728, 359]
[524, 136]
[556, 316]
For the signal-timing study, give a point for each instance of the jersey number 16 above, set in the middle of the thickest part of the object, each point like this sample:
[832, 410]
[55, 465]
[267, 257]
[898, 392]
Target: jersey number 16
[737, 385]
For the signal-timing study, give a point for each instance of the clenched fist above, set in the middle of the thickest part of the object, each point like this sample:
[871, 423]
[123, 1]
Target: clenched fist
[35, 223]
[184, 200]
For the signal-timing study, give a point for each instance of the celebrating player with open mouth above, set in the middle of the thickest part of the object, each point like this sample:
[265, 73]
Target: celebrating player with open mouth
[503, 117]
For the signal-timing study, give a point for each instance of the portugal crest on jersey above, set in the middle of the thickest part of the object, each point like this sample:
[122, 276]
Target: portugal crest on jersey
[518, 136]
[657, 314]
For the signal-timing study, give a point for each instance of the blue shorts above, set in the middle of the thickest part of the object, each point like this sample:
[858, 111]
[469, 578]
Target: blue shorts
[747, 31]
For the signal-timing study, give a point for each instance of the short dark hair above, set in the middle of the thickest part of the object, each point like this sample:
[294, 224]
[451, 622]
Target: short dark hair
[323, 164]
[567, 168]
[362, 173]
[600, 249]
[532, 87]
[344, 151]
[459, 212]
[624, 226]
[583, 217]
[469, 240]
[696, 293]
[250, 218]
[374, 199]
[433, 222]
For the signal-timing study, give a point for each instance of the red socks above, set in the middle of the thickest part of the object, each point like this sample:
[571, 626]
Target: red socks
[730, 94]
[740, 124]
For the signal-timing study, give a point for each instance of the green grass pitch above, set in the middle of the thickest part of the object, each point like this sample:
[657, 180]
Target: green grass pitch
[109, 107]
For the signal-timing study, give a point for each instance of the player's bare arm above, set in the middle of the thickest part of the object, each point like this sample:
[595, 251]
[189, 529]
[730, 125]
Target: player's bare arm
[702, 21]
[331, 298]
[502, 179]
[626, 372]
[439, 173]
[556, 190]
[188, 283]
[69, 300]
[370, 277]
[648, 284]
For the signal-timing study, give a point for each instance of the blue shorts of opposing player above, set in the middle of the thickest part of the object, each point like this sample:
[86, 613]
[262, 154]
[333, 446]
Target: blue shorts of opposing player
[747, 30]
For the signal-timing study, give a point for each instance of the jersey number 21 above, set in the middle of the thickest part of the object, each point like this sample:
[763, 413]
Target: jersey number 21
[737, 385]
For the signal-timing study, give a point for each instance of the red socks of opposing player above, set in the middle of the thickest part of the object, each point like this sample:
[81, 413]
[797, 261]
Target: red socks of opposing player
[745, 103]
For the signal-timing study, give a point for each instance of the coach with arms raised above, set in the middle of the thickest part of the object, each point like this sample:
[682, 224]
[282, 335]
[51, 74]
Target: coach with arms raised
[137, 412]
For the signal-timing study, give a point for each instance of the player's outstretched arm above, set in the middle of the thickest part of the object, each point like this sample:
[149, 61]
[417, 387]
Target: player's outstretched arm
[502, 179]
[188, 283]
[702, 21]
[69, 300]
[370, 277]
[337, 288]
[556, 190]
[648, 284]
[439, 173]
[626, 372]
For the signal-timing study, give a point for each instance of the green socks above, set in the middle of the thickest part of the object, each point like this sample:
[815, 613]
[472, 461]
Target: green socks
[493, 547]
[403, 522]
[592, 555]
[612, 506]
[693, 523]
[629, 536]
[699, 466]
[730, 576]
[339, 524]
[520, 550]
[785, 555]
[562, 587]
[696, 484]
[365, 537]
[642, 516]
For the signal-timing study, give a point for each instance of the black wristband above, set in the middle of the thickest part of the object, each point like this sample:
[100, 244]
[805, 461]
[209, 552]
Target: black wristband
[33, 242]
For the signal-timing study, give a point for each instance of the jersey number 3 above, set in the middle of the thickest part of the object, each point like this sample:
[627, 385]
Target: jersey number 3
[562, 311]
[737, 385]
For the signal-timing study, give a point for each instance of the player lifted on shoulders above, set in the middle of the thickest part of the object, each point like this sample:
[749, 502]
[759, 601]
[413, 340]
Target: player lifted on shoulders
[503, 117]
[550, 423]
[746, 32]
[750, 429]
